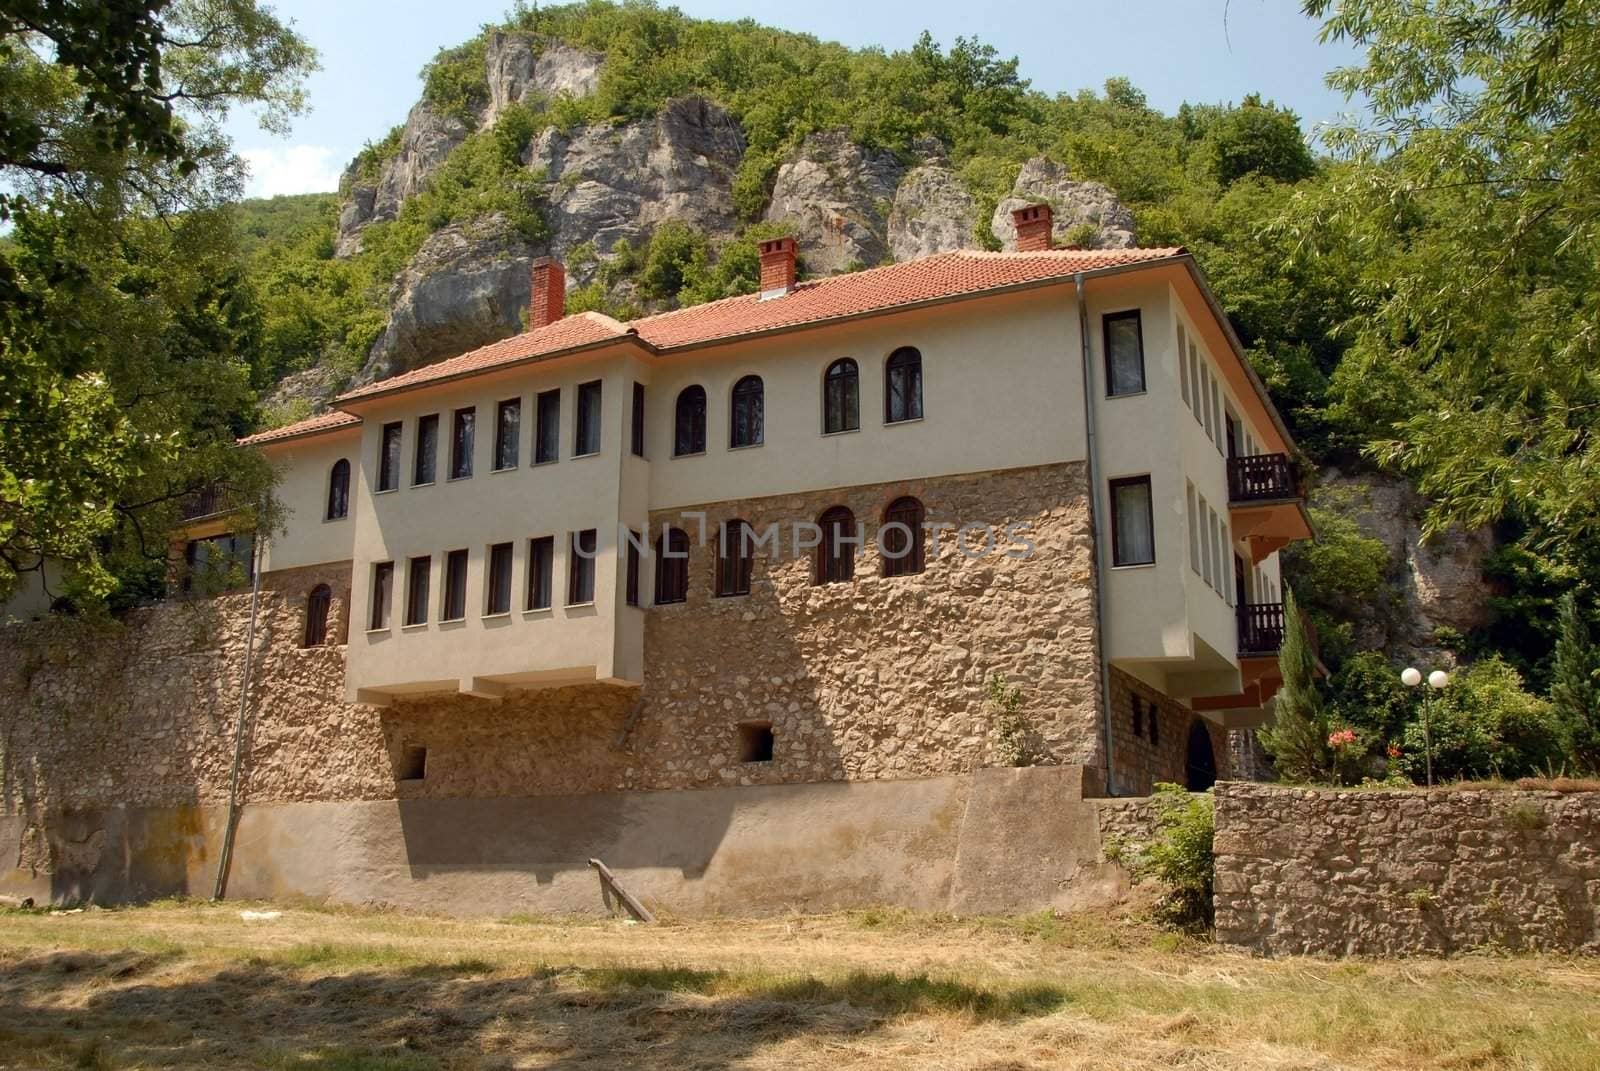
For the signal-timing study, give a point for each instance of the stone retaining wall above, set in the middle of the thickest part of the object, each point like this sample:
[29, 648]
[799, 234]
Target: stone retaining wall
[1406, 872]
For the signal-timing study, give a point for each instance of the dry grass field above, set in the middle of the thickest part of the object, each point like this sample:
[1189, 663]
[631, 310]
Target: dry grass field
[191, 985]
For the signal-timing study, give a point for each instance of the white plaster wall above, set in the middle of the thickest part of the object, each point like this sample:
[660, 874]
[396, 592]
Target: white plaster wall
[307, 537]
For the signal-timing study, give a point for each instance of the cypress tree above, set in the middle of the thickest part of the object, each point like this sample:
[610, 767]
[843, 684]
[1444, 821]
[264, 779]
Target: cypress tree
[1575, 684]
[1297, 738]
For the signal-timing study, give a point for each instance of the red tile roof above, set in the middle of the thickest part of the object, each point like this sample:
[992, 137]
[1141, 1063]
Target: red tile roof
[573, 332]
[965, 273]
[317, 425]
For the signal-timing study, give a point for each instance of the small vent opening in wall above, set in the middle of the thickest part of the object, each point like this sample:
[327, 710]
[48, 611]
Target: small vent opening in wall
[413, 763]
[755, 742]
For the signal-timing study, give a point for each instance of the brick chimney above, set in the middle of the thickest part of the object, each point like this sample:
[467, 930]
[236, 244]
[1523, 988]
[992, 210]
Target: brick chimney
[1033, 228]
[549, 302]
[777, 267]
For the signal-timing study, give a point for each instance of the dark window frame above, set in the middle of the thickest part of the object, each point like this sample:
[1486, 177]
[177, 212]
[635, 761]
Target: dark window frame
[418, 595]
[338, 491]
[835, 555]
[457, 567]
[631, 587]
[426, 449]
[498, 567]
[380, 599]
[319, 605]
[389, 463]
[904, 510]
[841, 397]
[581, 567]
[547, 433]
[689, 424]
[736, 570]
[1106, 322]
[904, 364]
[586, 429]
[1113, 486]
[541, 574]
[749, 393]
[463, 441]
[500, 463]
[672, 570]
[636, 424]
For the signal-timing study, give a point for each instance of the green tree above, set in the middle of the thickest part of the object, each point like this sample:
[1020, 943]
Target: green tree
[1297, 738]
[1575, 687]
[1257, 139]
[1485, 724]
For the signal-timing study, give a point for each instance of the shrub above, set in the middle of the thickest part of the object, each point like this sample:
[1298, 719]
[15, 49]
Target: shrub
[1485, 725]
[1013, 736]
[1181, 859]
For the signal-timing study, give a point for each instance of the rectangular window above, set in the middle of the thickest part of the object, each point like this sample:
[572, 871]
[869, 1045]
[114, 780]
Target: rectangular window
[418, 576]
[541, 571]
[547, 445]
[588, 438]
[1218, 581]
[455, 585]
[1133, 537]
[1230, 587]
[382, 595]
[389, 457]
[1216, 410]
[507, 433]
[1207, 396]
[1183, 365]
[1194, 384]
[461, 437]
[633, 568]
[1205, 542]
[637, 428]
[1193, 517]
[498, 600]
[425, 463]
[580, 567]
[1124, 353]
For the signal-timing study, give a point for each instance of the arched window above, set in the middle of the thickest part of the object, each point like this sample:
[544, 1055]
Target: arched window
[836, 554]
[318, 604]
[672, 566]
[689, 425]
[734, 558]
[745, 427]
[841, 397]
[900, 540]
[902, 386]
[339, 490]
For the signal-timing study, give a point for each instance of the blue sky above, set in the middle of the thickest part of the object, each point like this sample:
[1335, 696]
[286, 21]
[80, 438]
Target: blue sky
[1174, 50]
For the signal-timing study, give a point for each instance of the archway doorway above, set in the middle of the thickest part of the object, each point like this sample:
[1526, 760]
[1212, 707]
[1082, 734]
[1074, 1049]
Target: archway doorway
[1201, 766]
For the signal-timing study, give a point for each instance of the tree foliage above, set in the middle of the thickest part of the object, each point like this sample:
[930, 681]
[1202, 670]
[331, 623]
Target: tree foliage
[1297, 738]
[1575, 689]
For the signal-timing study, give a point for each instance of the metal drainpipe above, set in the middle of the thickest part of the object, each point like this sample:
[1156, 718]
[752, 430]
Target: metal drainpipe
[1093, 451]
[226, 858]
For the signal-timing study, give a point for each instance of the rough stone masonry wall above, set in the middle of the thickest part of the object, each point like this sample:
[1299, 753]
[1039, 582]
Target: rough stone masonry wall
[882, 678]
[1406, 872]
[1159, 751]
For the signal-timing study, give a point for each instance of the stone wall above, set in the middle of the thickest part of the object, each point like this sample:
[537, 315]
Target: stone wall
[1406, 872]
[1159, 750]
[881, 678]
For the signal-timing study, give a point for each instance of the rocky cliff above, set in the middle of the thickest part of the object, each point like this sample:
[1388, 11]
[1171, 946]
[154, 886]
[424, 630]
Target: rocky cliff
[597, 184]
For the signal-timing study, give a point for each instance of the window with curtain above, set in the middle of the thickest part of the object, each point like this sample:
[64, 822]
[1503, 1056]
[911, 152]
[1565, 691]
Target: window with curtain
[418, 577]
[507, 433]
[747, 416]
[318, 603]
[1124, 353]
[455, 585]
[382, 595]
[1133, 537]
[424, 465]
[900, 540]
[735, 557]
[672, 566]
[836, 557]
[463, 430]
[841, 397]
[339, 490]
[902, 386]
[389, 457]
[580, 567]
[498, 600]
[588, 440]
[541, 572]
[547, 428]
[689, 422]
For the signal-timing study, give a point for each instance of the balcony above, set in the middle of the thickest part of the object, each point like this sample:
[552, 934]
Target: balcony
[1260, 629]
[1264, 503]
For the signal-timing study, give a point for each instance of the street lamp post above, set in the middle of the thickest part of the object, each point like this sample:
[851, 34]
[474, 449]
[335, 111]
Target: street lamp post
[1411, 677]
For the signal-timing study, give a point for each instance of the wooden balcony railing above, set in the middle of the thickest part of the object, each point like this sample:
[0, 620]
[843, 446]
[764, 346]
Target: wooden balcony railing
[1262, 478]
[1260, 628]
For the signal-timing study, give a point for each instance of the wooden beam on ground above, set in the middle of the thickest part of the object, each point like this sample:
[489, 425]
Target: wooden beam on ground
[610, 887]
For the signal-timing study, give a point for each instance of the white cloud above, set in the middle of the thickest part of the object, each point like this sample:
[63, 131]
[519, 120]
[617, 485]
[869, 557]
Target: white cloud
[279, 169]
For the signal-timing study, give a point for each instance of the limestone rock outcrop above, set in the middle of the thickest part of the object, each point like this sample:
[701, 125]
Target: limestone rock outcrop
[933, 213]
[837, 196]
[524, 68]
[467, 286]
[426, 140]
[1075, 203]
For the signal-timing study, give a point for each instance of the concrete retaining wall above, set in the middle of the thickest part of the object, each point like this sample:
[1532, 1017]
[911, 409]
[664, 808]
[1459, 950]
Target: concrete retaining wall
[1406, 872]
[995, 840]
